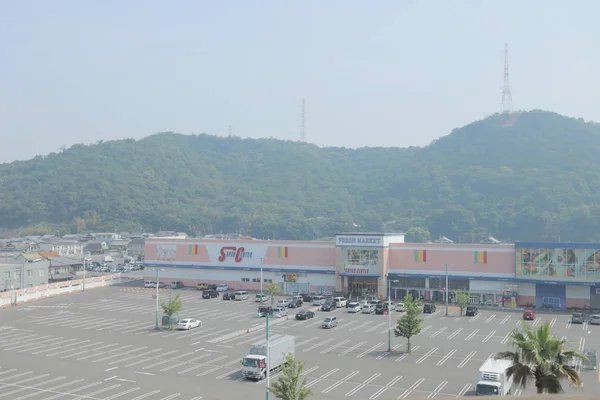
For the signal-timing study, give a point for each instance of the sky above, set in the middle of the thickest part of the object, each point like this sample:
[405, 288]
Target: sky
[372, 73]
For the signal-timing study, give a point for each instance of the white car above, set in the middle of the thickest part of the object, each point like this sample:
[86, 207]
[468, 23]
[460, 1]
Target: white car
[149, 284]
[354, 307]
[188, 323]
[594, 320]
[400, 307]
[280, 312]
[282, 303]
[222, 288]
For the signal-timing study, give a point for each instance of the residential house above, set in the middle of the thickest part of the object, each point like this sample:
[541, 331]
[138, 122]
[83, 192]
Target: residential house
[18, 247]
[25, 271]
[135, 248]
[119, 245]
[95, 247]
[107, 237]
[64, 248]
[63, 268]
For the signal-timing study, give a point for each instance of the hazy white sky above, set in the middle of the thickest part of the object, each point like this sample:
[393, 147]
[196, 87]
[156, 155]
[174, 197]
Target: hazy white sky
[373, 73]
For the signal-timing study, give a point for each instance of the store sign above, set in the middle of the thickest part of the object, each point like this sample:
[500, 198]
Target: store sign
[352, 269]
[290, 277]
[237, 253]
[359, 240]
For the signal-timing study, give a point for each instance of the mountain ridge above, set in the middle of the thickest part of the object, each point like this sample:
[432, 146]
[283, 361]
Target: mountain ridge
[534, 180]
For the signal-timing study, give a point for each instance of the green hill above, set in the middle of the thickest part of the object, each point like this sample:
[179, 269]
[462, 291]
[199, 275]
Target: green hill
[536, 180]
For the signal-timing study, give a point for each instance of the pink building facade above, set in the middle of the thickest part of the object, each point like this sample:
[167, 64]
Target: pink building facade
[377, 264]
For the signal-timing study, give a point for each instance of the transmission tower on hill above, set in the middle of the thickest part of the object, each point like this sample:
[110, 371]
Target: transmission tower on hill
[506, 112]
[303, 122]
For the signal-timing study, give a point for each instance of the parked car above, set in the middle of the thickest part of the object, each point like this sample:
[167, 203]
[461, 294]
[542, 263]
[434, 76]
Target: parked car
[306, 298]
[212, 287]
[368, 309]
[471, 311]
[400, 307]
[282, 303]
[162, 285]
[177, 285]
[577, 318]
[428, 308]
[201, 286]
[227, 296]
[381, 308]
[264, 310]
[149, 284]
[280, 312]
[353, 307]
[529, 315]
[329, 322]
[305, 314]
[222, 288]
[328, 306]
[295, 303]
[210, 294]
[594, 319]
[189, 323]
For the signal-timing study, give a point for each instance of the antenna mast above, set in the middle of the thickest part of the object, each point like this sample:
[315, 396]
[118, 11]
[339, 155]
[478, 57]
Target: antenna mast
[506, 94]
[303, 122]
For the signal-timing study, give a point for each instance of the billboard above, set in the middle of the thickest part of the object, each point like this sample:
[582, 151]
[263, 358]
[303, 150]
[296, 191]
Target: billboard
[575, 264]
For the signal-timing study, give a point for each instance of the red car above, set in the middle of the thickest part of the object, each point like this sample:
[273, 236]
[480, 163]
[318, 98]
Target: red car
[529, 315]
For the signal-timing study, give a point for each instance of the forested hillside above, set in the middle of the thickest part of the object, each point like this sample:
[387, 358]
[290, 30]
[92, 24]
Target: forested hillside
[536, 180]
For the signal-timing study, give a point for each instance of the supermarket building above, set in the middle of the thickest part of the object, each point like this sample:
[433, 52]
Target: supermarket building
[364, 264]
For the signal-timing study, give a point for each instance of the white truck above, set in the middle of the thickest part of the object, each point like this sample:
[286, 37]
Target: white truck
[254, 365]
[492, 379]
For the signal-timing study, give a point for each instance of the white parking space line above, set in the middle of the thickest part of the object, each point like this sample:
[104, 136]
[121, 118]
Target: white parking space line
[536, 322]
[120, 354]
[20, 339]
[568, 326]
[428, 327]
[335, 346]
[436, 333]
[489, 336]
[364, 353]
[581, 344]
[252, 339]
[362, 385]
[171, 396]
[308, 371]
[70, 392]
[466, 359]
[584, 326]
[356, 346]
[426, 355]
[340, 382]
[504, 320]
[312, 339]
[210, 371]
[152, 393]
[403, 356]
[446, 357]
[114, 396]
[505, 339]
[68, 349]
[16, 376]
[464, 390]
[490, 318]
[471, 335]
[437, 390]
[375, 327]
[359, 326]
[98, 349]
[314, 346]
[412, 387]
[324, 376]
[53, 348]
[49, 389]
[475, 318]
[385, 388]
[552, 322]
[92, 394]
[83, 347]
[185, 371]
[455, 333]
[203, 331]
[34, 343]
[146, 358]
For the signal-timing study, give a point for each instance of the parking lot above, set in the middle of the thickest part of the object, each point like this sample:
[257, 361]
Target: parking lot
[101, 345]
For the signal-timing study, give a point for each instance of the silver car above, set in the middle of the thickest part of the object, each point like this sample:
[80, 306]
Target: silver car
[594, 320]
[329, 322]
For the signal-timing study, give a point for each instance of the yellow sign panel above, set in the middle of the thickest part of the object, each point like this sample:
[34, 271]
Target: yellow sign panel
[291, 277]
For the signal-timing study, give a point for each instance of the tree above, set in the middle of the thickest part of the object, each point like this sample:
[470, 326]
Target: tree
[173, 306]
[542, 358]
[410, 323]
[290, 385]
[271, 288]
[462, 299]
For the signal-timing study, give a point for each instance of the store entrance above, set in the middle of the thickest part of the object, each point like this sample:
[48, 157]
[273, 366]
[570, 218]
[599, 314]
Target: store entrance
[362, 287]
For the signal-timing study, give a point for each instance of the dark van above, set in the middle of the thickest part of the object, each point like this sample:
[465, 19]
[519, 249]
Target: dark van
[428, 308]
[471, 311]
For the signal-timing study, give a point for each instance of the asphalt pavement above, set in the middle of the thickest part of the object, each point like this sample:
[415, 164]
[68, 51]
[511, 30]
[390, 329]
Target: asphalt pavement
[101, 344]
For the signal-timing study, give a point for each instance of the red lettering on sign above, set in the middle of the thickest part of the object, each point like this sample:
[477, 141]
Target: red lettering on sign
[223, 255]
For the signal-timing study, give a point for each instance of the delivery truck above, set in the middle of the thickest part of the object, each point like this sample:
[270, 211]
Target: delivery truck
[492, 379]
[254, 365]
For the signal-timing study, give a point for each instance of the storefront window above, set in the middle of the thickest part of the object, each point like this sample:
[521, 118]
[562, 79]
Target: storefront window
[459, 284]
[362, 257]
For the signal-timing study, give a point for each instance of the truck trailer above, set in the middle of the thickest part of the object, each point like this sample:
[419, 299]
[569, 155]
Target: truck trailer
[492, 379]
[254, 365]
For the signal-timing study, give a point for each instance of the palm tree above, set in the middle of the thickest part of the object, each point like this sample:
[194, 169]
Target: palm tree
[542, 358]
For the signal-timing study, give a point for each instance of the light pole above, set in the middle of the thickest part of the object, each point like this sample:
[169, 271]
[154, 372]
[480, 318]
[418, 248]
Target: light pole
[261, 280]
[390, 313]
[446, 266]
[83, 261]
[268, 361]
[156, 327]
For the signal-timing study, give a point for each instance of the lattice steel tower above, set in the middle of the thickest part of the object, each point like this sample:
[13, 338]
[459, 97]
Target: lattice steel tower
[303, 122]
[506, 94]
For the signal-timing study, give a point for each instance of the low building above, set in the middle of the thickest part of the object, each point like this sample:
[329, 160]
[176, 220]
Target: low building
[95, 247]
[136, 247]
[63, 268]
[107, 237]
[64, 248]
[21, 273]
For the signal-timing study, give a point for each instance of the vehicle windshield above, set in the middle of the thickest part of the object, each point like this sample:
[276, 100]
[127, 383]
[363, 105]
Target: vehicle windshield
[326, 320]
[185, 321]
[486, 390]
[352, 304]
[250, 362]
[577, 315]
[470, 308]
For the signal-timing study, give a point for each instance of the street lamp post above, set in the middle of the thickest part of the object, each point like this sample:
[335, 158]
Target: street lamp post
[261, 279]
[446, 266]
[390, 313]
[83, 261]
[268, 361]
[156, 327]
